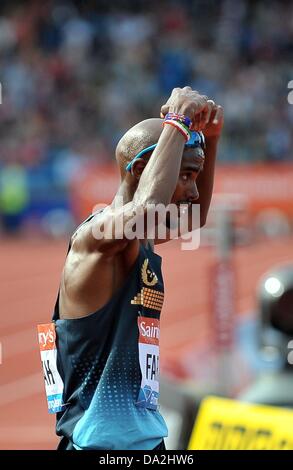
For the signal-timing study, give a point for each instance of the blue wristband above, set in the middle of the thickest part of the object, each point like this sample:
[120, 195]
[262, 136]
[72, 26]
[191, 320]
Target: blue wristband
[178, 117]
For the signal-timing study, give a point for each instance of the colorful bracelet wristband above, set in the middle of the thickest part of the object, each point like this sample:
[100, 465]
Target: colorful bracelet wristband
[178, 117]
[180, 127]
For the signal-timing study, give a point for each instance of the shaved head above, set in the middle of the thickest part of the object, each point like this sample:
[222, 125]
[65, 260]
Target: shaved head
[140, 136]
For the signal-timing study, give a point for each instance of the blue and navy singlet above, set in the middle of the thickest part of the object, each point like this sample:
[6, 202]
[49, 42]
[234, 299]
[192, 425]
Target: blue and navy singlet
[109, 363]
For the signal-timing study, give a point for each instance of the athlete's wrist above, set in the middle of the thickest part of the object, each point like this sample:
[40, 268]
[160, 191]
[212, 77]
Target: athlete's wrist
[181, 128]
[171, 128]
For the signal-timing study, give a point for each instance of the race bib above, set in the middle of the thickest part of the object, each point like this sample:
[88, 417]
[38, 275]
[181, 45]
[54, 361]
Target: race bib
[148, 347]
[53, 383]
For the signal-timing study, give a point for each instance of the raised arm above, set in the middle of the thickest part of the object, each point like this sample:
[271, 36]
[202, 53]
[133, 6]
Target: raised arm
[156, 184]
[205, 182]
[210, 122]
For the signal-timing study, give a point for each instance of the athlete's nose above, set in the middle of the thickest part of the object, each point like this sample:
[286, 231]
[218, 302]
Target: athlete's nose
[193, 193]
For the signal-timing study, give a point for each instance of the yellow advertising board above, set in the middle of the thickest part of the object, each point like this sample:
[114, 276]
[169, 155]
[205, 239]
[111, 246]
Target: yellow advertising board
[224, 424]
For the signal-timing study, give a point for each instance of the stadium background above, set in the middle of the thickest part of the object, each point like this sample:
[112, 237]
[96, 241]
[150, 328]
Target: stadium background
[75, 75]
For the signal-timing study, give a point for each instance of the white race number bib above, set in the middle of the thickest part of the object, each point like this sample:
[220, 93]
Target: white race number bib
[53, 383]
[149, 352]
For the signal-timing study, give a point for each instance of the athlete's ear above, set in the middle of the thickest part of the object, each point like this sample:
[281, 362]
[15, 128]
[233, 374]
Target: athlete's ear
[138, 167]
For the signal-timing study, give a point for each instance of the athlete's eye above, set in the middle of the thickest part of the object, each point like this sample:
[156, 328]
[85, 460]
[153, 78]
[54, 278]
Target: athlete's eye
[186, 176]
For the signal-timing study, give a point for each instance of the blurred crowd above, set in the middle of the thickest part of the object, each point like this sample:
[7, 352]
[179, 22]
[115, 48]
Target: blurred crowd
[76, 74]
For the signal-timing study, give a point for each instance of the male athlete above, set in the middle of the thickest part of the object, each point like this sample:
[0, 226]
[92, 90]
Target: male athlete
[107, 314]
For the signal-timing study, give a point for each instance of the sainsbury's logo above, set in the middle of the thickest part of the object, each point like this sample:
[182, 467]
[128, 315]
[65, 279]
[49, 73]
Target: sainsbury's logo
[45, 338]
[46, 335]
[149, 329]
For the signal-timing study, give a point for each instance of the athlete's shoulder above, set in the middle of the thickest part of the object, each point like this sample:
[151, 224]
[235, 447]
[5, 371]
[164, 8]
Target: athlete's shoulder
[85, 222]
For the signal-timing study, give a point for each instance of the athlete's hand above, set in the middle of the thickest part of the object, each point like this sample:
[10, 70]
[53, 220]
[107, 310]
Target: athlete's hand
[215, 124]
[190, 103]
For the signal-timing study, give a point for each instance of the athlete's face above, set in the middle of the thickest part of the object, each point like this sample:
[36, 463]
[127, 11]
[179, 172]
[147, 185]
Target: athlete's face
[192, 164]
[186, 189]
